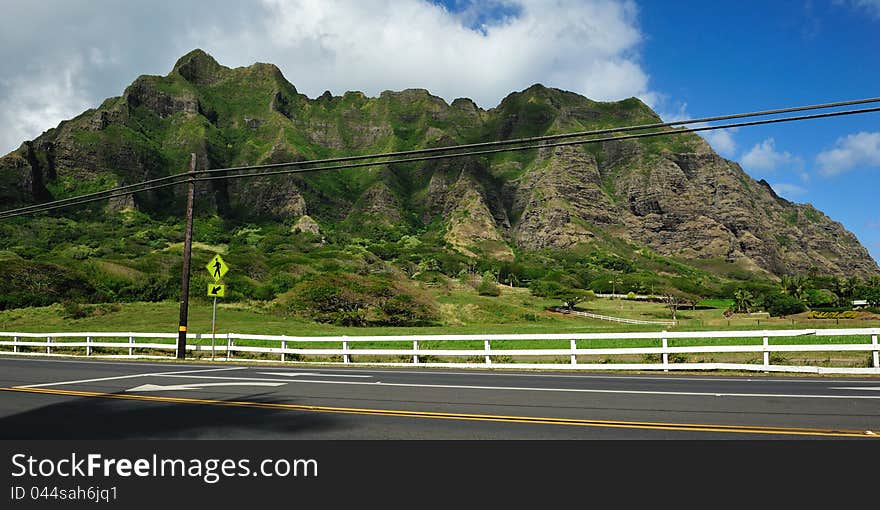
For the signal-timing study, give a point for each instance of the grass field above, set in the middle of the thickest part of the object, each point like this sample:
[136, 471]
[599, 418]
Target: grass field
[461, 311]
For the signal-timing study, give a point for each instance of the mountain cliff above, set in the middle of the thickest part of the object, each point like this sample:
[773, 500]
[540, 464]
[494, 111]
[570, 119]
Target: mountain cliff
[672, 196]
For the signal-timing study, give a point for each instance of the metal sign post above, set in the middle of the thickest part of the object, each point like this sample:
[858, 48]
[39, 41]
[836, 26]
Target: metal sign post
[213, 328]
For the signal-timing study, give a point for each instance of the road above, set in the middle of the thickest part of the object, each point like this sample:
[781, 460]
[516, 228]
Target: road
[72, 399]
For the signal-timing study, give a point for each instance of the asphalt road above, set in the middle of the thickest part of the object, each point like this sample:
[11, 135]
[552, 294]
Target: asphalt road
[66, 399]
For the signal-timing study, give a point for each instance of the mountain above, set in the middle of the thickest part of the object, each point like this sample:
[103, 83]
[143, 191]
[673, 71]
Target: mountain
[669, 197]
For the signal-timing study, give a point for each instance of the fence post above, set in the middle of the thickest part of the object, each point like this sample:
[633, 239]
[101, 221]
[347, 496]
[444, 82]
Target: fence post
[488, 348]
[88, 346]
[766, 352]
[665, 354]
[415, 348]
[228, 345]
[130, 343]
[876, 357]
[48, 347]
[15, 344]
[574, 346]
[345, 356]
[283, 348]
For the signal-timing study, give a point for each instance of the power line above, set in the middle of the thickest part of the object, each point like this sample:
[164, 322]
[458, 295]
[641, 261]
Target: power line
[174, 180]
[579, 134]
[104, 194]
[101, 195]
[531, 147]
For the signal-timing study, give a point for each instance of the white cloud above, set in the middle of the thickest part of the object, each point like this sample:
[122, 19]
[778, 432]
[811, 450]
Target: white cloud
[720, 139]
[788, 190]
[872, 7]
[35, 103]
[588, 47]
[860, 149]
[764, 156]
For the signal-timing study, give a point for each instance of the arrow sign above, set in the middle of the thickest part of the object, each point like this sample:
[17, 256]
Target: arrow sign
[216, 290]
[198, 386]
[217, 267]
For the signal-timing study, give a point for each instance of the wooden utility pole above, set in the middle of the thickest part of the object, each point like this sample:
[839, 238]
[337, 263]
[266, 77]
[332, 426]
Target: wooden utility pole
[187, 252]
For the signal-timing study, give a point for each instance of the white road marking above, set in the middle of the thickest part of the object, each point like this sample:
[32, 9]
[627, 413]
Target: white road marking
[858, 388]
[80, 381]
[478, 372]
[489, 372]
[313, 374]
[518, 388]
[198, 386]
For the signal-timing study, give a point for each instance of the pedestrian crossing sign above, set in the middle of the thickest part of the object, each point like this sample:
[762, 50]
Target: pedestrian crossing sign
[217, 268]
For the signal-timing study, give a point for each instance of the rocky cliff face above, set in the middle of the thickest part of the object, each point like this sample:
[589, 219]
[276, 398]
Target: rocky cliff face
[671, 194]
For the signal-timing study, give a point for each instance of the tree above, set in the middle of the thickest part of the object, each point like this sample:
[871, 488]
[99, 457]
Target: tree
[743, 301]
[852, 284]
[794, 286]
[821, 297]
[571, 297]
[779, 305]
[839, 285]
[674, 302]
[873, 296]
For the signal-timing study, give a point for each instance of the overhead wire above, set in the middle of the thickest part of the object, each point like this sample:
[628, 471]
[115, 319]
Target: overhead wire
[173, 180]
[530, 147]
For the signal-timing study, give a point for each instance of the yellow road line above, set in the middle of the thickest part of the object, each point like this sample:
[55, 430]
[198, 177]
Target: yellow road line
[464, 416]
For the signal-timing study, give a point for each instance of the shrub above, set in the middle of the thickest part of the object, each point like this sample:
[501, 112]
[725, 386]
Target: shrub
[833, 315]
[25, 283]
[545, 288]
[74, 310]
[348, 299]
[779, 305]
[821, 298]
[488, 288]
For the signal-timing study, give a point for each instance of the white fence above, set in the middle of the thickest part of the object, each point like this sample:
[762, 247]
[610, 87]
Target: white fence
[344, 349]
[610, 318]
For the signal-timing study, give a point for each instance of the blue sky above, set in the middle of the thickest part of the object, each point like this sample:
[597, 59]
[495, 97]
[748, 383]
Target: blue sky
[687, 59]
[716, 57]
[711, 58]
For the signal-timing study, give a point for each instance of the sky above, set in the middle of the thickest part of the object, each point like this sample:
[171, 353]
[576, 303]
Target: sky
[685, 58]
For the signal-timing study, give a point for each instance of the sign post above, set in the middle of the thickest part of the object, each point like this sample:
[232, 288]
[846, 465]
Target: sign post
[213, 328]
[216, 268]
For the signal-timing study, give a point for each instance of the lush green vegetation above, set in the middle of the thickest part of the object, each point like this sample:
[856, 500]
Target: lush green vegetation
[362, 269]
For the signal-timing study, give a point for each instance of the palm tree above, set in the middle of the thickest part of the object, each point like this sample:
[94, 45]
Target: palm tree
[743, 300]
[795, 286]
[839, 285]
[852, 284]
[785, 284]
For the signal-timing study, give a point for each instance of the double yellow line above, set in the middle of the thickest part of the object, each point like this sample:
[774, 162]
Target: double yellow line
[787, 431]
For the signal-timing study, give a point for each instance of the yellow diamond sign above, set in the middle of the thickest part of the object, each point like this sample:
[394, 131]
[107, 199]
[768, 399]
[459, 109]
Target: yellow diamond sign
[217, 268]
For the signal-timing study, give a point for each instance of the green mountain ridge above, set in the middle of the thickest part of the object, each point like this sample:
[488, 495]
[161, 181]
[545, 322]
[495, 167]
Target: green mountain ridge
[670, 199]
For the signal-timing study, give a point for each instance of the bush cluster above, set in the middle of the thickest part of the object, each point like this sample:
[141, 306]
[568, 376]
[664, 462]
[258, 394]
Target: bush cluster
[347, 299]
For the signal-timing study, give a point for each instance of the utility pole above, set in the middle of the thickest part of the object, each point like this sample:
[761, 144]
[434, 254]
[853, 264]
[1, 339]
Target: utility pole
[187, 252]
